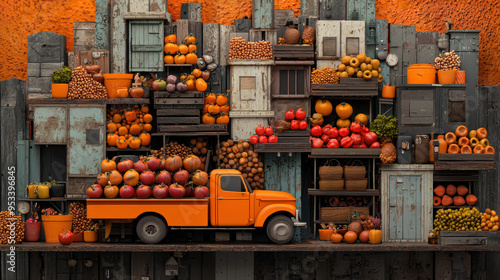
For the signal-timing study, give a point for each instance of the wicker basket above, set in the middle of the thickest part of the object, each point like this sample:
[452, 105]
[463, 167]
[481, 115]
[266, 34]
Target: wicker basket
[331, 185]
[355, 171]
[356, 184]
[340, 214]
[329, 172]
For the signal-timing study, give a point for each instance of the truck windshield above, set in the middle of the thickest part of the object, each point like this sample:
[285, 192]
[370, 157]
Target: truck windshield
[233, 184]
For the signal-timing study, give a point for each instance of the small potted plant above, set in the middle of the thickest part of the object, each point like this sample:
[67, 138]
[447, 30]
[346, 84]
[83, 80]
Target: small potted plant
[375, 234]
[326, 231]
[54, 223]
[90, 235]
[60, 80]
[385, 127]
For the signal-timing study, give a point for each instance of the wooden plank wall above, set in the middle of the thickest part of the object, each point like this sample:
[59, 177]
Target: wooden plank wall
[101, 24]
[234, 265]
[427, 49]
[263, 14]
[309, 7]
[118, 36]
[284, 173]
[211, 40]
[366, 12]
[382, 45]
[402, 40]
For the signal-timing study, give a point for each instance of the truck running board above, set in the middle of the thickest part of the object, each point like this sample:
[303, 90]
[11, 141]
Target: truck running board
[209, 228]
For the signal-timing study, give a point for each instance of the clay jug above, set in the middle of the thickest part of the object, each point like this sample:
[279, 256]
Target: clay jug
[431, 149]
[443, 145]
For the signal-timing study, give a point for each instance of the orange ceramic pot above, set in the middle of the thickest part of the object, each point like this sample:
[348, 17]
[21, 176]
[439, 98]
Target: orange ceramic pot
[60, 90]
[421, 74]
[325, 234]
[447, 76]
[388, 91]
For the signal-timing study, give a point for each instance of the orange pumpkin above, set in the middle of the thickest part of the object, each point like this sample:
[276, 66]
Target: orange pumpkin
[466, 149]
[135, 142]
[210, 98]
[171, 38]
[192, 48]
[350, 237]
[201, 85]
[489, 150]
[112, 127]
[191, 85]
[461, 131]
[168, 59]
[183, 77]
[191, 58]
[122, 131]
[205, 108]
[450, 138]
[183, 49]
[111, 139]
[196, 73]
[130, 116]
[121, 143]
[108, 165]
[180, 59]
[454, 149]
[131, 178]
[481, 133]
[192, 77]
[336, 237]
[117, 118]
[148, 118]
[225, 109]
[171, 48]
[208, 119]
[222, 119]
[221, 99]
[145, 138]
[147, 127]
[478, 149]
[115, 177]
[214, 109]
[135, 129]
[190, 39]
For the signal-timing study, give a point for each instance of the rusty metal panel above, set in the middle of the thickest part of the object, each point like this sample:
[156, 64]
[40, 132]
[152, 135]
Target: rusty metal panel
[352, 40]
[86, 139]
[84, 36]
[102, 24]
[118, 36]
[427, 49]
[47, 47]
[263, 14]
[146, 45]
[50, 125]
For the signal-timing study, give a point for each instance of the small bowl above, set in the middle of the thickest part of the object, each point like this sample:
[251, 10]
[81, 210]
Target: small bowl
[341, 231]
[325, 234]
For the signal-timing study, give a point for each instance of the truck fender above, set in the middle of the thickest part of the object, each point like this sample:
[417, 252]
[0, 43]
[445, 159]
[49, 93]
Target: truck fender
[271, 209]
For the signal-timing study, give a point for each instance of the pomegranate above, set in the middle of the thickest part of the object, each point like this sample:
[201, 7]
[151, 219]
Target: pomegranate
[102, 179]
[127, 191]
[147, 178]
[143, 191]
[164, 177]
[140, 166]
[125, 165]
[181, 177]
[94, 191]
[153, 163]
[176, 191]
[173, 163]
[363, 236]
[162, 164]
[191, 163]
[201, 192]
[160, 191]
[200, 178]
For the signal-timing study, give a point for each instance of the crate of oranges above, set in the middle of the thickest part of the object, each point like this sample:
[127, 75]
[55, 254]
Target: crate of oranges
[129, 127]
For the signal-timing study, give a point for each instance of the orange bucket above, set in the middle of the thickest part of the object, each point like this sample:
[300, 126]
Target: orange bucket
[114, 81]
[90, 236]
[447, 76]
[60, 90]
[388, 91]
[325, 234]
[53, 225]
[421, 74]
[460, 77]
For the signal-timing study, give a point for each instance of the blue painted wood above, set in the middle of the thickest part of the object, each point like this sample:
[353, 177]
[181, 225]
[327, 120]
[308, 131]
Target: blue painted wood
[284, 174]
[101, 24]
[263, 14]
[23, 163]
[405, 207]
[382, 48]
[146, 45]
[392, 208]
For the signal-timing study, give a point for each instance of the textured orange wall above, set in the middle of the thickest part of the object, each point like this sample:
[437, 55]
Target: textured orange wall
[30, 16]
[19, 19]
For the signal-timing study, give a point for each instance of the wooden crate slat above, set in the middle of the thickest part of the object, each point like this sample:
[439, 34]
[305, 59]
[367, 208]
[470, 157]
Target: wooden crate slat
[177, 112]
[196, 128]
[465, 157]
[464, 165]
[368, 152]
[282, 147]
[178, 101]
[353, 92]
[294, 140]
[294, 133]
[180, 106]
[467, 233]
[178, 120]
[176, 94]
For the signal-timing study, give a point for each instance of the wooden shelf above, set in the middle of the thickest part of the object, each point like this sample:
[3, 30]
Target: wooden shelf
[452, 206]
[202, 133]
[369, 192]
[111, 101]
[282, 147]
[179, 65]
[347, 87]
[141, 149]
[335, 222]
[39, 199]
[344, 153]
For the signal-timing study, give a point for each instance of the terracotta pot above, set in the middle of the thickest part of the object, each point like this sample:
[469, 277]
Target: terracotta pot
[325, 234]
[460, 77]
[60, 90]
[447, 76]
[53, 225]
[388, 91]
[78, 237]
[90, 236]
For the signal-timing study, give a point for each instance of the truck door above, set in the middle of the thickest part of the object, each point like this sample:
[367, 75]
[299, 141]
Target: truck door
[233, 201]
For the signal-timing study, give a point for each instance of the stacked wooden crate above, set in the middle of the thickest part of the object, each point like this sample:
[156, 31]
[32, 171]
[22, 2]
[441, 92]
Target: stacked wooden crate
[289, 141]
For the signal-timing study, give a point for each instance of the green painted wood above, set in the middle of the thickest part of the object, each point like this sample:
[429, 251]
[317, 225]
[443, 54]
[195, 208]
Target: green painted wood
[23, 164]
[263, 14]
[146, 45]
[284, 174]
[53, 119]
[101, 24]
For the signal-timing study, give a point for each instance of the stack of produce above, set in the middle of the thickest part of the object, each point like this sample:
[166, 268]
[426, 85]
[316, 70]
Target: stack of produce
[464, 142]
[11, 228]
[197, 147]
[447, 61]
[80, 223]
[86, 83]
[240, 155]
[345, 201]
[172, 177]
[196, 81]
[365, 228]
[39, 190]
[173, 148]
[325, 75]
[360, 66]
[489, 220]
[264, 135]
[240, 49]
[356, 136]
[457, 220]
[452, 195]
[129, 127]
[216, 109]
[184, 53]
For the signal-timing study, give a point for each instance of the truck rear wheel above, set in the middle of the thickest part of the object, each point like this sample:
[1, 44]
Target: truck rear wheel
[280, 229]
[151, 229]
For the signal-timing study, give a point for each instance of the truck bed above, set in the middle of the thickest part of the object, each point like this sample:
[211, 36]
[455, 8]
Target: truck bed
[186, 212]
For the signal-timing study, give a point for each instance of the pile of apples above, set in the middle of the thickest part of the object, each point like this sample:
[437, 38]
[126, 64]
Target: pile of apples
[172, 177]
[264, 135]
[354, 136]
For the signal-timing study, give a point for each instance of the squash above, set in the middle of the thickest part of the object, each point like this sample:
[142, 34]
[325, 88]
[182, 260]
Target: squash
[489, 150]
[190, 84]
[343, 123]
[121, 143]
[171, 48]
[171, 38]
[454, 149]
[350, 237]
[481, 133]
[466, 149]
[461, 131]
[192, 48]
[180, 59]
[168, 59]
[225, 109]
[214, 109]
[375, 236]
[316, 119]
[208, 119]
[223, 119]
[190, 39]
[201, 85]
[344, 110]
[145, 138]
[324, 107]
[191, 58]
[221, 99]
[134, 142]
[183, 49]
[450, 138]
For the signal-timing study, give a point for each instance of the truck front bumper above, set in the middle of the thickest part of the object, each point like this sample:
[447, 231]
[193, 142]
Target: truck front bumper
[296, 221]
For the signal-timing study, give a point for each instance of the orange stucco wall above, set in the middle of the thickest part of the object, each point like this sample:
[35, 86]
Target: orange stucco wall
[22, 18]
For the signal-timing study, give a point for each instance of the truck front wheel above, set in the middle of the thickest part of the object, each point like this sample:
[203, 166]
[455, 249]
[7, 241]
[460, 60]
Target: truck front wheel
[151, 229]
[280, 229]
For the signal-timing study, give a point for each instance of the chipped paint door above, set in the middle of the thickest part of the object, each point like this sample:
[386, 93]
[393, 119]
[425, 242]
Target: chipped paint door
[405, 207]
[86, 136]
[146, 45]
[50, 125]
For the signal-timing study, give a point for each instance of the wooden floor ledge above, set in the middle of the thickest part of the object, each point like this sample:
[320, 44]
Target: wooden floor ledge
[305, 246]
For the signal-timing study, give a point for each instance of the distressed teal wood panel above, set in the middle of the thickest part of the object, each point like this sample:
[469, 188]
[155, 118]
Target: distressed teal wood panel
[23, 163]
[101, 24]
[263, 14]
[146, 45]
[49, 125]
[284, 174]
[365, 10]
[86, 134]
[382, 48]
[405, 207]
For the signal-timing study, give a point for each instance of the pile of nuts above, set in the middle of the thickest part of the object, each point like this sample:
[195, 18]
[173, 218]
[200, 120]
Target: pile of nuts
[173, 148]
[83, 86]
[447, 61]
[240, 49]
[80, 222]
[325, 75]
[11, 223]
[281, 41]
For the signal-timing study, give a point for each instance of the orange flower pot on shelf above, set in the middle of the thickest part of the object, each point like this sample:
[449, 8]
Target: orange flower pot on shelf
[90, 236]
[388, 91]
[421, 74]
[447, 76]
[460, 77]
[53, 225]
[60, 90]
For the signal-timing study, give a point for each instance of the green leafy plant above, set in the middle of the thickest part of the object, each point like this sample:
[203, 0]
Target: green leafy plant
[385, 126]
[61, 76]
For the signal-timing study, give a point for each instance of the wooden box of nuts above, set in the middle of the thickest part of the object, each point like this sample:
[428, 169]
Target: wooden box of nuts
[346, 87]
[239, 48]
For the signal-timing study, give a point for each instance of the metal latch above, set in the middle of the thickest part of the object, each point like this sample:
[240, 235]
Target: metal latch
[405, 146]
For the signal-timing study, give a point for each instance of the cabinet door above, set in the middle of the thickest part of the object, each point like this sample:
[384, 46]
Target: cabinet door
[50, 124]
[86, 136]
[405, 207]
[250, 88]
[146, 45]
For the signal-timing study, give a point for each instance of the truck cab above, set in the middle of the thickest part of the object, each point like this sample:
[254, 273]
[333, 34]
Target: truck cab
[231, 205]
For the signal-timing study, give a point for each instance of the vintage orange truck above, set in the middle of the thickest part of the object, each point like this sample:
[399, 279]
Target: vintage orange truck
[231, 205]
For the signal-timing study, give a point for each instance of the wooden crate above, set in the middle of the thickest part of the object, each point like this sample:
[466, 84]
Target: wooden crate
[347, 87]
[448, 237]
[340, 214]
[178, 100]
[293, 52]
[464, 161]
[193, 128]
[282, 147]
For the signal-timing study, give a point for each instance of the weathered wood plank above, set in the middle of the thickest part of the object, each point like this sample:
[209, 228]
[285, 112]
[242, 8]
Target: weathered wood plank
[182, 29]
[196, 28]
[281, 17]
[143, 265]
[263, 14]
[176, 94]
[118, 38]
[178, 112]
[211, 40]
[178, 120]
[396, 43]
[242, 25]
[101, 24]
[178, 101]
[309, 7]
[191, 11]
[200, 127]
[225, 36]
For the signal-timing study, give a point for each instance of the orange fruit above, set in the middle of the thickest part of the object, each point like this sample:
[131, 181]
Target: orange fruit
[135, 129]
[148, 118]
[112, 127]
[117, 118]
[122, 130]
[148, 127]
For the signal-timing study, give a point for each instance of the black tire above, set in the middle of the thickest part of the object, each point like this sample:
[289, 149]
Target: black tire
[280, 229]
[151, 229]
